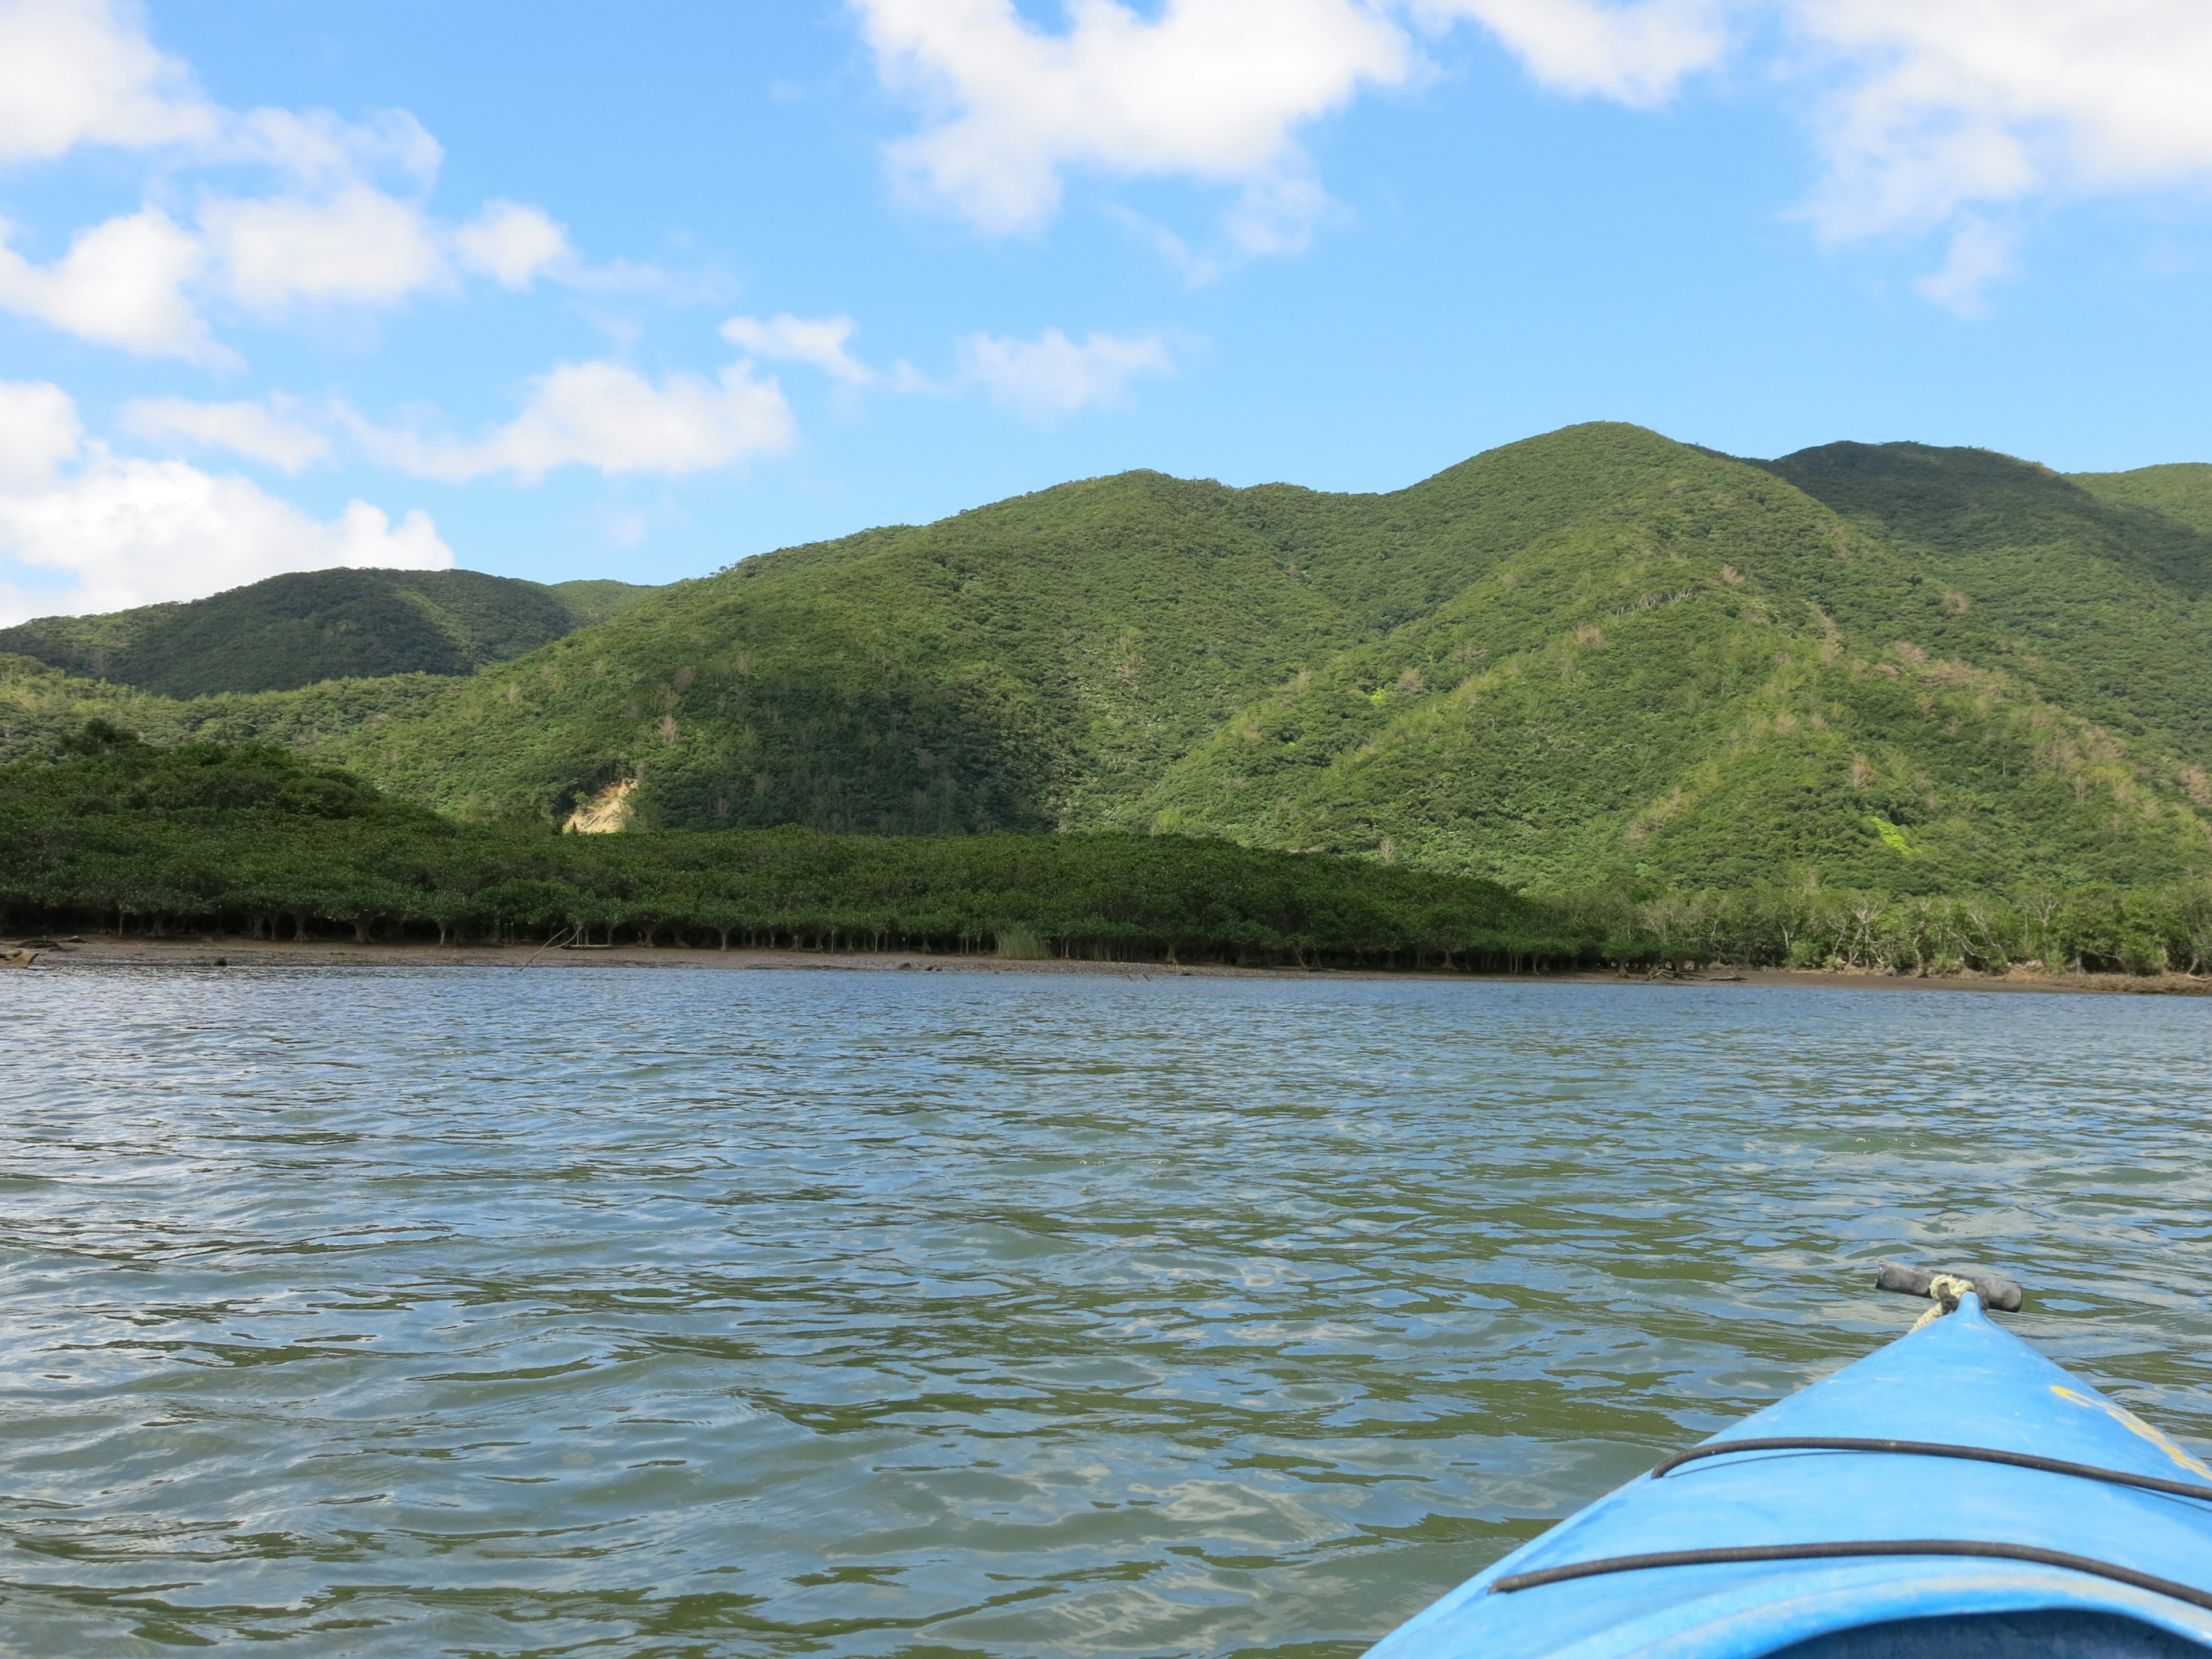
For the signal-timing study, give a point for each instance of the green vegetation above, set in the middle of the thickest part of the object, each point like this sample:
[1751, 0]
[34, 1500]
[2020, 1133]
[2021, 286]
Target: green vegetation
[1594, 661]
[125, 836]
[1596, 657]
[2097, 603]
[297, 630]
[120, 834]
[2181, 491]
[594, 601]
[40, 706]
[2095, 928]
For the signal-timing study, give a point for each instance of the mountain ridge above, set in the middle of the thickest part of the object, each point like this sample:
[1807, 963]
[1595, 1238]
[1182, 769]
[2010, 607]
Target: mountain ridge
[297, 629]
[1595, 655]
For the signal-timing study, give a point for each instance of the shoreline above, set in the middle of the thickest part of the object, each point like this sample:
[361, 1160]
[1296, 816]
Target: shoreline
[209, 950]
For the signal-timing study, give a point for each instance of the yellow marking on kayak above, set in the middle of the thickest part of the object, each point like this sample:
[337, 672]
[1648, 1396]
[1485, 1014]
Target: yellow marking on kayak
[2133, 1425]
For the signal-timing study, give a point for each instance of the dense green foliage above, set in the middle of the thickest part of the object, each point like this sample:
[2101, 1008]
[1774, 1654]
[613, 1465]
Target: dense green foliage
[1595, 658]
[125, 835]
[40, 706]
[120, 834]
[1714, 683]
[594, 600]
[2098, 928]
[1597, 655]
[296, 630]
[2182, 490]
[2100, 604]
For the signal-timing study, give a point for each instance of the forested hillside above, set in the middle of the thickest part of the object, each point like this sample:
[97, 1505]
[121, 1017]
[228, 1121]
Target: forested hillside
[1594, 657]
[123, 835]
[298, 630]
[2098, 601]
[2182, 490]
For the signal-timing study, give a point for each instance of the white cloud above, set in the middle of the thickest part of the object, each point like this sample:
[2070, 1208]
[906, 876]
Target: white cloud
[1053, 376]
[1216, 90]
[1942, 104]
[129, 531]
[357, 244]
[318, 150]
[1921, 111]
[74, 72]
[1980, 254]
[253, 430]
[39, 428]
[82, 71]
[511, 244]
[1212, 90]
[121, 283]
[604, 416]
[1636, 53]
[817, 340]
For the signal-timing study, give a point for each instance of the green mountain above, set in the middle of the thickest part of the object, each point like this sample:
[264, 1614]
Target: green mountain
[2098, 599]
[1593, 658]
[2182, 490]
[295, 630]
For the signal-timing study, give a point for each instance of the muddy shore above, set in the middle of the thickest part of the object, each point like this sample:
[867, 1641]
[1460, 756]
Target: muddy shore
[92, 950]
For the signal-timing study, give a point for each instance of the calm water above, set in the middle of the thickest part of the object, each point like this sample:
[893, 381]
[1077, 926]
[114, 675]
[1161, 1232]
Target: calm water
[589, 1310]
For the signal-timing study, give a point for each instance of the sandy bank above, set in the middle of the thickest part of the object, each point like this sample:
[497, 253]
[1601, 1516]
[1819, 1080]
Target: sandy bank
[209, 952]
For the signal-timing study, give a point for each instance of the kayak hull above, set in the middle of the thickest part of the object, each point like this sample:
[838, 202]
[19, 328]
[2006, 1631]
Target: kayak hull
[1960, 1381]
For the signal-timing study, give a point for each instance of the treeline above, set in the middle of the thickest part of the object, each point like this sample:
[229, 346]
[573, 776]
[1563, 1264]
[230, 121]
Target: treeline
[124, 836]
[2101, 929]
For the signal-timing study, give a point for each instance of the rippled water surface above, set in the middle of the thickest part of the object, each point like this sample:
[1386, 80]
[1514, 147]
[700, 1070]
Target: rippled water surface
[402, 1312]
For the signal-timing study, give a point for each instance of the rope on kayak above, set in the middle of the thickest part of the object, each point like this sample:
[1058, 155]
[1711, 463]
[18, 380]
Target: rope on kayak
[1946, 1288]
[1936, 1448]
[1844, 1549]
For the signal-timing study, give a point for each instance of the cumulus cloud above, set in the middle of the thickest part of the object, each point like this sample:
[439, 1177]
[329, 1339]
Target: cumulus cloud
[513, 243]
[124, 532]
[346, 223]
[253, 430]
[1921, 111]
[120, 284]
[1938, 105]
[38, 429]
[1636, 53]
[819, 341]
[609, 417]
[1213, 89]
[83, 72]
[1052, 376]
[357, 245]
[1217, 90]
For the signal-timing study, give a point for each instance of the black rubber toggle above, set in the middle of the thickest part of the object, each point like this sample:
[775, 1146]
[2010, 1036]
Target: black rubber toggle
[1998, 1295]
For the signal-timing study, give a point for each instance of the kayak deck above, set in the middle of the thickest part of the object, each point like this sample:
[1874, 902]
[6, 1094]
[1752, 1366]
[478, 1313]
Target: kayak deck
[1667, 1565]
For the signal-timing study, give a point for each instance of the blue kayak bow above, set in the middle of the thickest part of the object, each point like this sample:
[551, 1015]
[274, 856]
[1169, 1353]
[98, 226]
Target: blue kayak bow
[1953, 1492]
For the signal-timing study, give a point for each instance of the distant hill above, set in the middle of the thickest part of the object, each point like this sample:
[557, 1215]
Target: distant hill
[1596, 658]
[295, 630]
[1596, 655]
[2181, 491]
[595, 600]
[2098, 601]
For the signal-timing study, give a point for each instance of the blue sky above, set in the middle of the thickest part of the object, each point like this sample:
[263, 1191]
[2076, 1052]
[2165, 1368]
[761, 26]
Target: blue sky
[560, 289]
